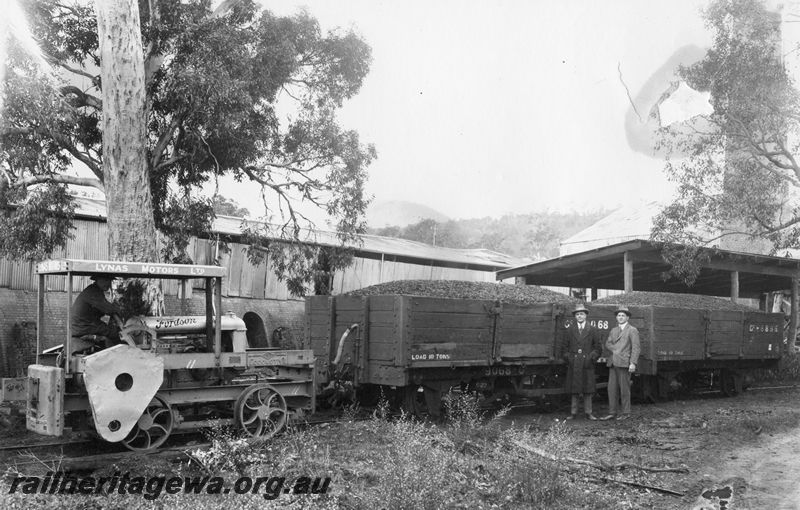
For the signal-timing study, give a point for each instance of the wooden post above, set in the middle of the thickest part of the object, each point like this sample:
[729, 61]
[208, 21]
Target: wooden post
[793, 323]
[627, 272]
[40, 316]
[734, 286]
[594, 293]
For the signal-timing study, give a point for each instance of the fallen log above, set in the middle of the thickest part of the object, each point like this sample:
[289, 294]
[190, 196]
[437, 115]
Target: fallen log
[603, 466]
[640, 485]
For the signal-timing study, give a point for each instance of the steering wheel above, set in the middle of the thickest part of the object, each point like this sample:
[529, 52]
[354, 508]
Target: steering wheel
[132, 326]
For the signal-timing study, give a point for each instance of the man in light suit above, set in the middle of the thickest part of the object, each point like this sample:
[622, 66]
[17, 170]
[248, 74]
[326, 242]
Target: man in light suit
[580, 346]
[623, 343]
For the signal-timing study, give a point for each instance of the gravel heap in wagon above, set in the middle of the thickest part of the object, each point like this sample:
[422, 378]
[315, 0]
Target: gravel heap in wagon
[671, 300]
[457, 289]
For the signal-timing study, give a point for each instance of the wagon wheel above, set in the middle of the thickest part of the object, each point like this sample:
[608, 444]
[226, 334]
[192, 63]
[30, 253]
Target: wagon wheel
[413, 401]
[728, 384]
[421, 402]
[153, 427]
[261, 411]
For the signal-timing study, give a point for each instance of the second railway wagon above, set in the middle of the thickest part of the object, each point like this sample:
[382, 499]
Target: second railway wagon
[686, 347]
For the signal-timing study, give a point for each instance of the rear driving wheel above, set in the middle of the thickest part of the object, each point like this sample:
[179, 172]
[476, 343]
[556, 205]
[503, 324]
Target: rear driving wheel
[261, 411]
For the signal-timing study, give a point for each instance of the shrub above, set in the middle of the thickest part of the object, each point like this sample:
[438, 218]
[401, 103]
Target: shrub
[419, 465]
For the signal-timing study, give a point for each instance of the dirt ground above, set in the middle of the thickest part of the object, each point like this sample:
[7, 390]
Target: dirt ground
[735, 453]
[739, 453]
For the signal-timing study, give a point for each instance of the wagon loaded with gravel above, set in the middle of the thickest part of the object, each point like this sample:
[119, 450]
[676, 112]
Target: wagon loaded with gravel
[418, 339]
[691, 341]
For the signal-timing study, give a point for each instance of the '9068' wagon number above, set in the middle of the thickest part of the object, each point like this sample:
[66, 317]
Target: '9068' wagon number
[597, 324]
[764, 328]
[502, 370]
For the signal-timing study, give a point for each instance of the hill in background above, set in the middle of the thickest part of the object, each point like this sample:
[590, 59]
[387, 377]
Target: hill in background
[534, 236]
[401, 213]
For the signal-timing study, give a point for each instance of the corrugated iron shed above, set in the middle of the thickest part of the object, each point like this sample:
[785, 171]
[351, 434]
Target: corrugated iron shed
[388, 246]
[370, 246]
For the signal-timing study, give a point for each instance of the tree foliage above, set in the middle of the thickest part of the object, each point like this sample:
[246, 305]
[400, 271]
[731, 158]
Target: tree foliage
[228, 207]
[233, 91]
[737, 187]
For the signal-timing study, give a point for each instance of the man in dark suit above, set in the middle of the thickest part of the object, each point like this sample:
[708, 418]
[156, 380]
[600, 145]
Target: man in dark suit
[580, 346]
[623, 343]
[89, 308]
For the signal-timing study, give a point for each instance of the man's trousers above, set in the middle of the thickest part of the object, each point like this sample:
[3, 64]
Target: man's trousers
[619, 390]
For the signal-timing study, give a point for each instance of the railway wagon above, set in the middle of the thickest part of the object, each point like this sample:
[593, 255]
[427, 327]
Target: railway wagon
[688, 348]
[423, 346]
[420, 347]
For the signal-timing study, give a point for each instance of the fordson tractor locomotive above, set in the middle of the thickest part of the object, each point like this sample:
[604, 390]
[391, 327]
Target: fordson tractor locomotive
[168, 374]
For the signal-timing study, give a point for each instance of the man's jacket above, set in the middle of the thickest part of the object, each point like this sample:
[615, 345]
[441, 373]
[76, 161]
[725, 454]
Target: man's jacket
[624, 346]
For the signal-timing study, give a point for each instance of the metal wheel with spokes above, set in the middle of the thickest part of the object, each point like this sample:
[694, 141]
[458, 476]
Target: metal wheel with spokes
[729, 384]
[153, 427]
[261, 411]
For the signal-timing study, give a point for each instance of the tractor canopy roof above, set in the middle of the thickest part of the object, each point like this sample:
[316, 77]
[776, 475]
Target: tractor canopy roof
[122, 269]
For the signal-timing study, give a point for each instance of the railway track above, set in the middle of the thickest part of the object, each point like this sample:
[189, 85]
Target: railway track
[59, 455]
[73, 455]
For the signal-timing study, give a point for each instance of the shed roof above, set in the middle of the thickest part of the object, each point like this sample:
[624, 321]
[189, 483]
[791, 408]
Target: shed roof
[629, 222]
[376, 246]
[602, 268]
[391, 246]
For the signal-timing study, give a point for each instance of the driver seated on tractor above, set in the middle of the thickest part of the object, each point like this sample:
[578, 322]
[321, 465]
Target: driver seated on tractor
[87, 312]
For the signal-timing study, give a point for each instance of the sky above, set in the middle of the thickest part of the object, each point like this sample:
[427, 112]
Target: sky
[482, 108]
[488, 107]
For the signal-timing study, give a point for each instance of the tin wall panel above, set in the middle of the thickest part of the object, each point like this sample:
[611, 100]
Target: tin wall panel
[235, 263]
[90, 241]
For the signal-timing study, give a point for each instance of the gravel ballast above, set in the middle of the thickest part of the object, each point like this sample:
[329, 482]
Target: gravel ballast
[457, 289]
[671, 300]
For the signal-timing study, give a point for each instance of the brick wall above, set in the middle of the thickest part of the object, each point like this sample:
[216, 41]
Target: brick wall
[18, 319]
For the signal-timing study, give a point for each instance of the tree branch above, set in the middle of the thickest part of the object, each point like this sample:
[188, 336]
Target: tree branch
[80, 72]
[61, 178]
[164, 139]
[94, 165]
[82, 98]
[14, 130]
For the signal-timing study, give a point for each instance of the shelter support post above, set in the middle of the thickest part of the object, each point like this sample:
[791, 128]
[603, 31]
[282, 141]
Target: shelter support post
[734, 286]
[627, 271]
[183, 297]
[68, 342]
[40, 316]
[209, 313]
[594, 293]
[793, 322]
[218, 318]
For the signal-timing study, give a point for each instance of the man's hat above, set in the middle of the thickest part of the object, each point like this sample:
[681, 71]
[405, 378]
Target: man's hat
[623, 309]
[580, 308]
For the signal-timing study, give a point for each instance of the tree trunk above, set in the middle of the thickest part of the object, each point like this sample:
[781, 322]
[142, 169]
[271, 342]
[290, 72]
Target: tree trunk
[131, 226]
